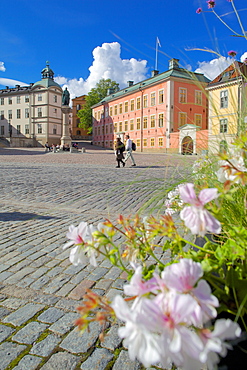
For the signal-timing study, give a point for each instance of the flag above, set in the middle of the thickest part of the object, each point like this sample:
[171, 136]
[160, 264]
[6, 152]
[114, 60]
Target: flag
[158, 42]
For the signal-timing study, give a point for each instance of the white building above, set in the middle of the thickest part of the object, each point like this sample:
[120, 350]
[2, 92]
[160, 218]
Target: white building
[31, 115]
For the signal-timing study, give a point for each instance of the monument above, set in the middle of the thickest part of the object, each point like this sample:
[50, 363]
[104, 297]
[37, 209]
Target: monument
[66, 139]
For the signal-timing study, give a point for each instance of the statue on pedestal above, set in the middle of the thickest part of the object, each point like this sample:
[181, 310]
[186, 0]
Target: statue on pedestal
[65, 97]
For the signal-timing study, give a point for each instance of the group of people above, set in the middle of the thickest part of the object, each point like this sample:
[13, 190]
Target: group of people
[121, 148]
[54, 148]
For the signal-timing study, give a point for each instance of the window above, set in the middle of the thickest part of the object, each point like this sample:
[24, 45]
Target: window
[126, 126]
[152, 141]
[2, 101]
[55, 111]
[26, 129]
[18, 113]
[131, 125]
[126, 107]
[98, 130]
[111, 128]
[224, 99]
[120, 126]
[77, 122]
[18, 129]
[115, 126]
[145, 142]
[10, 101]
[106, 129]
[106, 112]
[78, 132]
[55, 130]
[182, 95]
[115, 110]
[145, 122]
[120, 108]
[161, 120]
[153, 99]
[198, 97]
[138, 142]
[145, 101]
[39, 112]
[18, 99]
[103, 130]
[161, 96]
[138, 123]
[10, 114]
[132, 105]
[152, 121]
[2, 130]
[223, 125]
[98, 115]
[2, 115]
[182, 119]
[26, 112]
[55, 100]
[39, 97]
[110, 111]
[198, 120]
[27, 99]
[39, 128]
[110, 144]
[138, 103]
[160, 141]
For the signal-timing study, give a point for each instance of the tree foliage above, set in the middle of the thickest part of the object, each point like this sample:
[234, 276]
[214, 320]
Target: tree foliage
[94, 96]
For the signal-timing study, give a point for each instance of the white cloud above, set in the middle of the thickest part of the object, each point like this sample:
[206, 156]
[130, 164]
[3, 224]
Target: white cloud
[107, 63]
[214, 67]
[243, 57]
[10, 82]
[2, 68]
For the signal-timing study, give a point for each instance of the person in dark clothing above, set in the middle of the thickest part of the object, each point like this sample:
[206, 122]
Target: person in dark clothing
[119, 149]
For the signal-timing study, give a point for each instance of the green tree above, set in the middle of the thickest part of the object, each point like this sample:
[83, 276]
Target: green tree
[94, 96]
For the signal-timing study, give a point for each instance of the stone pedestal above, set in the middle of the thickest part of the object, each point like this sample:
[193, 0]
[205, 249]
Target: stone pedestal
[66, 139]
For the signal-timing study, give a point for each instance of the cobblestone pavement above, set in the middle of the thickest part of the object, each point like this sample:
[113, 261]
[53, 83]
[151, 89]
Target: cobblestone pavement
[41, 195]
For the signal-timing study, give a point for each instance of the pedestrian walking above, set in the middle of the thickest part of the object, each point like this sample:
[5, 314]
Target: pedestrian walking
[120, 148]
[129, 150]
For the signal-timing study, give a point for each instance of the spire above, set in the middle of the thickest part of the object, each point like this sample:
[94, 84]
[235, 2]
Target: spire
[47, 72]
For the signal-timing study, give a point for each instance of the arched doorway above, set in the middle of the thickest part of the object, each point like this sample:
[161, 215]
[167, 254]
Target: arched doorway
[187, 145]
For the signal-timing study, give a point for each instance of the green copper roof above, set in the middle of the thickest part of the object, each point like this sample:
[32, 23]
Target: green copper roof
[46, 82]
[174, 72]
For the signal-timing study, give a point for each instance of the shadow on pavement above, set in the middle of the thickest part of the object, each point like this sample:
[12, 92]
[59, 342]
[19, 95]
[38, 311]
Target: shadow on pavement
[18, 216]
[15, 151]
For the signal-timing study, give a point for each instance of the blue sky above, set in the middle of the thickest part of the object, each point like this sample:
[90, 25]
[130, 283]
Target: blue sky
[67, 32]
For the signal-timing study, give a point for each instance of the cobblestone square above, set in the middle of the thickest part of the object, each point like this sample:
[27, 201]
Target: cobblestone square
[42, 194]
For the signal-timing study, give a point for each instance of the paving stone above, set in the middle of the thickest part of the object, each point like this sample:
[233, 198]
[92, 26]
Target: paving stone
[65, 324]
[61, 361]
[113, 293]
[29, 333]
[65, 290]
[104, 284]
[97, 360]
[56, 284]
[80, 290]
[51, 315]
[46, 346]
[28, 362]
[98, 273]
[39, 272]
[123, 362]
[38, 284]
[8, 352]
[113, 273]
[14, 303]
[67, 304]
[119, 283]
[4, 312]
[78, 278]
[5, 332]
[5, 275]
[112, 340]
[23, 314]
[76, 342]
[25, 282]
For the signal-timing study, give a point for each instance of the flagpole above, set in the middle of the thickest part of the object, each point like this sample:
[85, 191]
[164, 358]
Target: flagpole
[156, 57]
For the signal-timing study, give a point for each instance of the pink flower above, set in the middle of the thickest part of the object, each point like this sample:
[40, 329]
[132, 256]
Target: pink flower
[78, 235]
[232, 53]
[138, 287]
[196, 217]
[183, 277]
[211, 4]
[199, 10]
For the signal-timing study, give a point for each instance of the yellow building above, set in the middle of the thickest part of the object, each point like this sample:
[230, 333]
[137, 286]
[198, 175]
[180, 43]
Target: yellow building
[227, 106]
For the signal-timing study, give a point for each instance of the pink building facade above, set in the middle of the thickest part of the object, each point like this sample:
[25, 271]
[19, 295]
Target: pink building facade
[166, 113]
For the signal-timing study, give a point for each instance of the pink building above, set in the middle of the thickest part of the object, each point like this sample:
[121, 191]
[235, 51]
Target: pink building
[167, 113]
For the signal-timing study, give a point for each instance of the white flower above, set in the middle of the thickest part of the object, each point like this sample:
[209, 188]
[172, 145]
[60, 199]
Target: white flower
[225, 171]
[195, 216]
